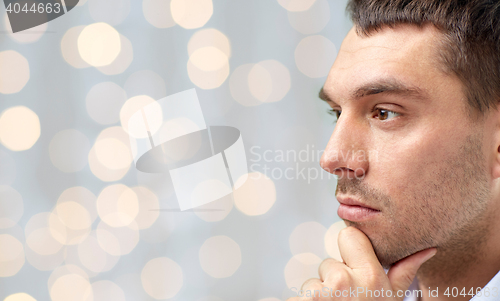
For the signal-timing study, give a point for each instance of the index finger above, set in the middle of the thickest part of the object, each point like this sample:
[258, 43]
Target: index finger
[357, 251]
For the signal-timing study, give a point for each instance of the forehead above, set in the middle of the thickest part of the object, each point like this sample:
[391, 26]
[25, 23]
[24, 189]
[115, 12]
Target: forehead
[405, 52]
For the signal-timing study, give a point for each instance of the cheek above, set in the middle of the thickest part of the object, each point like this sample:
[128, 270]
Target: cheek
[409, 166]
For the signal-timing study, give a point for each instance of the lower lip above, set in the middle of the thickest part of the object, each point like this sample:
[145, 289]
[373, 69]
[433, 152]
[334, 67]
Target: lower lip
[356, 213]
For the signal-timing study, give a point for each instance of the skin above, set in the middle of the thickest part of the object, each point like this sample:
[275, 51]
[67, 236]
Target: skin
[433, 172]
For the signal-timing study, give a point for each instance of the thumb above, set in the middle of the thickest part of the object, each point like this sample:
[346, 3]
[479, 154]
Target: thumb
[401, 274]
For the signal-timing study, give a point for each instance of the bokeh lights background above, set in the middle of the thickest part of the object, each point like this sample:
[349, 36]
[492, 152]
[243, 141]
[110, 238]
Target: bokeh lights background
[79, 222]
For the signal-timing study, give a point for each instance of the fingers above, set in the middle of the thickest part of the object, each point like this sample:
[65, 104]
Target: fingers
[311, 284]
[357, 251]
[401, 275]
[327, 266]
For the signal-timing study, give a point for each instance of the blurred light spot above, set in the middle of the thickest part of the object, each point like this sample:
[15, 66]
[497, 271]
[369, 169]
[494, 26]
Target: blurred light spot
[260, 82]
[117, 205]
[11, 206]
[193, 271]
[14, 73]
[145, 82]
[19, 128]
[103, 173]
[99, 44]
[209, 37]
[112, 12]
[104, 102]
[69, 47]
[296, 5]
[220, 256]
[67, 269]
[148, 207]
[256, 196]
[73, 215]
[208, 58]
[8, 170]
[207, 80]
[98, 169]
[64, 234]
[43, 262]
[117, 241]
[315, 55]
[11, 255]
[215, 211]
[71, 287]
[162, 278]
[300, 268]
[68, 150]
[191, 13]
[42, 242]
[208, 67]
[238, 85]
[270, 299]
[135, 104]
[29, 35]
[254, 84]
[19, 297]
[157, 13]
[106, 290]
[313, 20]
[93, 257]
[39, 237]
[280, 79]
[122, 61]
[331, 240]
[112, 153]
[82, 196]
[308, 238]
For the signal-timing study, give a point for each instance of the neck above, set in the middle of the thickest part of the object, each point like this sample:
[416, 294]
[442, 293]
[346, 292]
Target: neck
[463, 265]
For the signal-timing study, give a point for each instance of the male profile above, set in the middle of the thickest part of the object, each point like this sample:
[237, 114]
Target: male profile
[418, 83]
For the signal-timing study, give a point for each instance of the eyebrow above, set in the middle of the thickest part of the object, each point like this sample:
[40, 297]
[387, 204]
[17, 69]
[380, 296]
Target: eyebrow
[388, 86]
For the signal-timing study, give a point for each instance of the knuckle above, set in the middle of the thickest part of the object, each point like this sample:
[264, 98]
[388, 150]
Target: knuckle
[339, 278]
[373, 276]
[312, 284]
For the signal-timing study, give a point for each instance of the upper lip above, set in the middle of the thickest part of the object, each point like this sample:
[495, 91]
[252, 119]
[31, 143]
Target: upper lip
[352, 202]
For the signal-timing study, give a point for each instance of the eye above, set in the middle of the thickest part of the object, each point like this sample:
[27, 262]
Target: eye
[383, 114]
[336, 113]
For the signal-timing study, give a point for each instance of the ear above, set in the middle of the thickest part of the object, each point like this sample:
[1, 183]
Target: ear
[496, 166]
[496, 143]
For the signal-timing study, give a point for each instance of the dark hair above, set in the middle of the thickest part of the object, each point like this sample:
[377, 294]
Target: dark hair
[470, 46]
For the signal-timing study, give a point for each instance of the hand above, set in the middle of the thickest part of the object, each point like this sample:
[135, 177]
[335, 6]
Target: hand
[361, 271]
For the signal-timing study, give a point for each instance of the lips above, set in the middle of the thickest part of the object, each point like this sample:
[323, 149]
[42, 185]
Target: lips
[353, 202]
[355, 211]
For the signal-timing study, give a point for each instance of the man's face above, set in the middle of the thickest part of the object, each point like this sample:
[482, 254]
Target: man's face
[404, 145]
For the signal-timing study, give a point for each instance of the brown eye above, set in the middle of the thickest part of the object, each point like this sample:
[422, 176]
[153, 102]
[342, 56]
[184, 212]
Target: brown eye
[383, 114]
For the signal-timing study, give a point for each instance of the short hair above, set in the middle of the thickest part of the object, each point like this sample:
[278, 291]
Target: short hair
[470, 47]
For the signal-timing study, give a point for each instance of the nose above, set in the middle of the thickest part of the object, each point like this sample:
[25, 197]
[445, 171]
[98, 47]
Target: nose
[346, 155]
